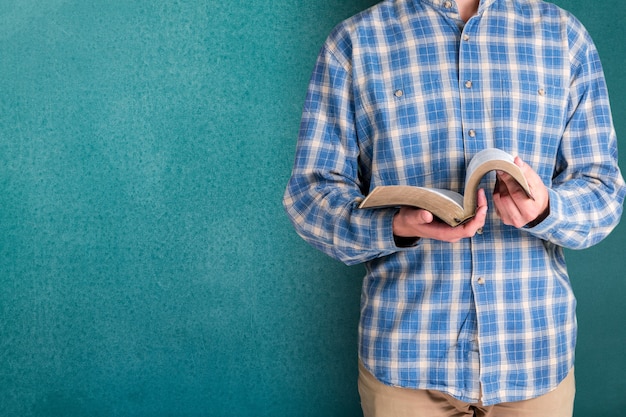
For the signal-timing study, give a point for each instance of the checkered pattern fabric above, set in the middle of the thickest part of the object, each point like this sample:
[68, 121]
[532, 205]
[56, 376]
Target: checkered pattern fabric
[407, 93]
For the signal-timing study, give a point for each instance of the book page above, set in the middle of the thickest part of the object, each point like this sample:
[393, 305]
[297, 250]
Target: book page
[484, 161]
[485, 156]
[444, 204]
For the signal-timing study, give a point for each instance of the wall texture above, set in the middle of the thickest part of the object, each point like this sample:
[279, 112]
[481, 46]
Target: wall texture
[146, 265]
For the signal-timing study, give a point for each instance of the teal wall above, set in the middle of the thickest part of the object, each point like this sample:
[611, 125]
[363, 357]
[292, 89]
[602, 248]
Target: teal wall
[146, 265]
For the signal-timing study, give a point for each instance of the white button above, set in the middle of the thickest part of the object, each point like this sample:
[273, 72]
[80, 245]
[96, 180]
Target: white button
[468, 84]
[447, 5]
[398, 93]
[472, 133]
[466, 37]
[481, 281]
[542, 92]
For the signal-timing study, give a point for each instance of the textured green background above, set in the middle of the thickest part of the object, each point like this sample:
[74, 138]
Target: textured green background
[146, 265]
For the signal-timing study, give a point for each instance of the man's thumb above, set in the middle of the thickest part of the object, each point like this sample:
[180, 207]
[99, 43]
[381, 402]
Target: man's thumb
[425, 216]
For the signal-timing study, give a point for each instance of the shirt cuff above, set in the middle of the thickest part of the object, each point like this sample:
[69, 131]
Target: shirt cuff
[544, 227]
[383, 236]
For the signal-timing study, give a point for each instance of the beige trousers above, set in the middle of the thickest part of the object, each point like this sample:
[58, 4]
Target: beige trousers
[380, 400]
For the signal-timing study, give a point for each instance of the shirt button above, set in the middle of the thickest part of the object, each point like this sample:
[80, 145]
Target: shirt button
[447, 4]
[541, 92]
[466, 37]
[481, 281]
[472, 133]
[468, 84]
[398, 93]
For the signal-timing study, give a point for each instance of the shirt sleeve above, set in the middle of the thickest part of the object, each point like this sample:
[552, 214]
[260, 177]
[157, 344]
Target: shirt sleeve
[325, 187]
[587, 191]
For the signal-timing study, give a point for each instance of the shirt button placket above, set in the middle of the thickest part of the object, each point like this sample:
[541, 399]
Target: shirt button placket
[467, 70]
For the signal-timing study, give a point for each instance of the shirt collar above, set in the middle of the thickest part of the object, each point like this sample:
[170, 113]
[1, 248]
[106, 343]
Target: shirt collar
[441, 4]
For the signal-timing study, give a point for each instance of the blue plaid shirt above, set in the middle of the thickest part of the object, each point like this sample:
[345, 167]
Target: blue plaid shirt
[406, 93]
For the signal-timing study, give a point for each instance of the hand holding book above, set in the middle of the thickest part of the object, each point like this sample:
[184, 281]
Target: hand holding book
[513, 196]
[513, 205]
[419, 223]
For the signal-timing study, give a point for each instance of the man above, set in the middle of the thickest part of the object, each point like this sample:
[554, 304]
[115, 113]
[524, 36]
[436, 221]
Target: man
[477, 319]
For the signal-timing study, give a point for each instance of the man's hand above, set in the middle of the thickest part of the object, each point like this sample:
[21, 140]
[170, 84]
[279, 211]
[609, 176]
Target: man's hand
[413, 222]
[512, 204]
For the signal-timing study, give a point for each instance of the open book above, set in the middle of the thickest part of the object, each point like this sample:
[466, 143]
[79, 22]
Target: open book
[449, 206]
